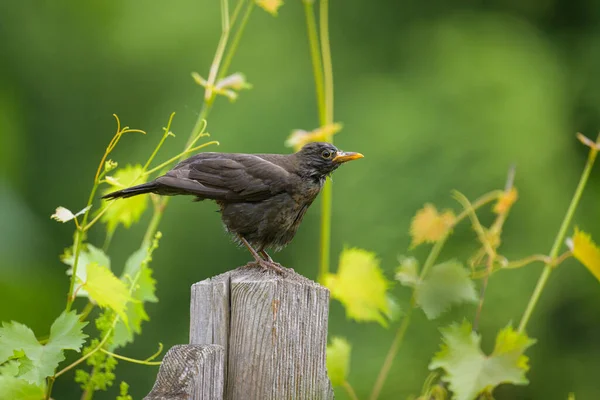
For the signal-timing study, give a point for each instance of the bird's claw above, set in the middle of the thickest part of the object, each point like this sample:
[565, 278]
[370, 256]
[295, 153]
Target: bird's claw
[268, 265]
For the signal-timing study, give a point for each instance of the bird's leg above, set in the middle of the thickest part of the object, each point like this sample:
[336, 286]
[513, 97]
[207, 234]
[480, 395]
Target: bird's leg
[266, 256]
[268, 263]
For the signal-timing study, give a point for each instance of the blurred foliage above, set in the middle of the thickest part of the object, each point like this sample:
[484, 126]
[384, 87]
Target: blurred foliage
[436, 95]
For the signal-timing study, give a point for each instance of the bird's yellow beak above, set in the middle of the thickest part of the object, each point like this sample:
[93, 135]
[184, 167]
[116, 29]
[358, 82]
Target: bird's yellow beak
[343, 156]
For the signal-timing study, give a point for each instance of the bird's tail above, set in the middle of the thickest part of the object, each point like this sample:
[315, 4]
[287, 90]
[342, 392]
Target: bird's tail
[150, 187]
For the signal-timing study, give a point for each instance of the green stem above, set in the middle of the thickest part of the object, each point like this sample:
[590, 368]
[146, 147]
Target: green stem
[393, 351]
[325, 248]
[315, 55]
[154, 222]
[558, 241]
[78, 242]
[391, 354]
[236, 41]
[131, 360]
[162, 140]
[86, 311]
[350, 390]
[236, 11]
[327, 64]
[214, 68]
[51, 380]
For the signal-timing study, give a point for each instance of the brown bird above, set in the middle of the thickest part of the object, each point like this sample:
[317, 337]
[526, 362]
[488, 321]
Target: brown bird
[262, 197]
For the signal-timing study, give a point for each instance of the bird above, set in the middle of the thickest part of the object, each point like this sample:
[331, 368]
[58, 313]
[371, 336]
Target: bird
[262, 198]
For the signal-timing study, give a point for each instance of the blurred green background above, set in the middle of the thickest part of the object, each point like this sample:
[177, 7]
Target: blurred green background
[437, 96]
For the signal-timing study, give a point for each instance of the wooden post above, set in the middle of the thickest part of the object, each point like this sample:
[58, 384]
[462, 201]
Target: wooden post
[190, 372]
[273, 329]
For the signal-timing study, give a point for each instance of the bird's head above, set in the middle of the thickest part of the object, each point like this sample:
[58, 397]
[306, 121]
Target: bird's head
[322, 159]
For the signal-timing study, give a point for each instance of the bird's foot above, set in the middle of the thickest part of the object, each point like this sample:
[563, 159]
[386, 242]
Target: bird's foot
[268, 265]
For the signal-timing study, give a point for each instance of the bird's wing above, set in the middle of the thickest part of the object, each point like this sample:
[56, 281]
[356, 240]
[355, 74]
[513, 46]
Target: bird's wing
[230, 177]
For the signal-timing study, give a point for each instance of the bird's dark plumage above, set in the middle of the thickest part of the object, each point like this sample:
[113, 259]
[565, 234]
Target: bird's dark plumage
[263, 197]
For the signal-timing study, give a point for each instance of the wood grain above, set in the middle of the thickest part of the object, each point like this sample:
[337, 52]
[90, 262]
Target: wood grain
[190, 372]
[273, 329]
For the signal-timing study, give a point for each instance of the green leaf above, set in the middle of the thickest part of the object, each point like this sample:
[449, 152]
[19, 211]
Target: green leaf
[88, 255]
[107, 290]
[10, 368]
[125, 211]
[447, 284]
[146, 285]
[40, 361]
[469, 371]
[407, 272]
[66, 332]
[360, 286]
[144, 290]
[15, 388]
[338, 360]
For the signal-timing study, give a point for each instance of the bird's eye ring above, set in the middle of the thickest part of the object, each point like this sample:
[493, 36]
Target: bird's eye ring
[326, 154]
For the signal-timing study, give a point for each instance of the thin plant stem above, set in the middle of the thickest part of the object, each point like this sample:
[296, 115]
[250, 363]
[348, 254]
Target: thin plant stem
[325, 245]
[315, 55]
[397, 342]
[173, 159]
[350, 390]
[86, 311]
[131, 360]
[236, 12]
[391, 354]
[51, 380]
[558, 241]
[236, 40]
[327, 196]
[327, 64]
[214, 68]
[162, 140]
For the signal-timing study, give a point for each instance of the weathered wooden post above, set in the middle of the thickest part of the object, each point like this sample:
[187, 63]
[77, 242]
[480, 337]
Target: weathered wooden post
[273, 332]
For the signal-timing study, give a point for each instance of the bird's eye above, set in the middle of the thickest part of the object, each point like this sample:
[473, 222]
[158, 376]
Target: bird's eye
[326, 154]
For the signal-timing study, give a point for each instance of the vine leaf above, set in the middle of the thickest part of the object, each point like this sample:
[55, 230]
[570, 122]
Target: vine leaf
[429, 226]
[469, 371]
[15, 388]
[64, 214]
[299, 137]
[361, 286]
[124, 211]
[447, 284]
[586, 251]
[144, 291]
[338, 360]
[407, 272]
[88, 255]
[270, 6]
[38, 361]
[107, 290]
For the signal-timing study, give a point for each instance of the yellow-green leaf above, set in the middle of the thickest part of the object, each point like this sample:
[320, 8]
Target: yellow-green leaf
[107, 290]
[360, 286]
[270, 6]
[125, 211]
[429, 226]
[469, 371]
[89, 254]
[338, 360]
[586, 251]
[143, 291]
[15, 388]
[299, 137]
